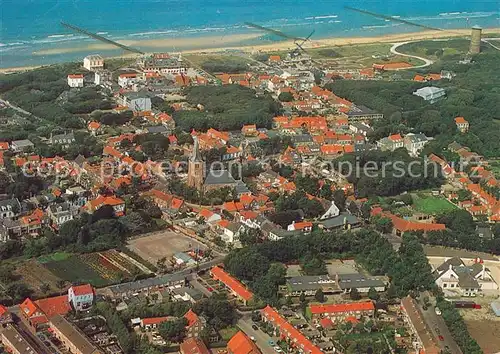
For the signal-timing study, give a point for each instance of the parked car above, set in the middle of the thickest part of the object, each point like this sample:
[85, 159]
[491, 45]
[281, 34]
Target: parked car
[441, 338]
[438, 311]
[254, 327]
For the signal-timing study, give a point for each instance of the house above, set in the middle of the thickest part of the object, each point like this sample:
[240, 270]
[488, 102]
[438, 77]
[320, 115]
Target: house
[71, 337]
[391, 143]
[193, 346]
[187, 294]
[5, 316]
[75, 80]
[94, 128]
[236, 288]
[15, 342]
[36, 314]
[453, 276]
[400, 225]
[137, 101]
[9, 208]
[333, 211]
[462, 124]
[362, 113]
[339, 312]
[304, 226]
[414, 143]
[116, 203]
[425, 343]
[230, 230]
[209, 216]
[288, 332]
[81, 296]
[93, 62]
[249, 130]
[350, 281]
[150, 323]
[241, 344]
[65, 139]
[127, 79]
[22, 145]
[430, 94]
[195, 324]
[60, 213]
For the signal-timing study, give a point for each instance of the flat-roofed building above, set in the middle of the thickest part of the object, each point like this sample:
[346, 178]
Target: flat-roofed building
[75, 341]
[14, 342]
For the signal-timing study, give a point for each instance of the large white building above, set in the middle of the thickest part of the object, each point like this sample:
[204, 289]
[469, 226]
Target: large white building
[93, 62]
[430, 94]
[454, 277]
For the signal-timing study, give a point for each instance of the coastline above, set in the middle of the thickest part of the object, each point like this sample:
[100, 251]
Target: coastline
[213, 44]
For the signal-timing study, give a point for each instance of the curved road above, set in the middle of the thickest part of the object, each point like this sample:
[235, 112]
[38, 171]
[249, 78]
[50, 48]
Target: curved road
[394, 51]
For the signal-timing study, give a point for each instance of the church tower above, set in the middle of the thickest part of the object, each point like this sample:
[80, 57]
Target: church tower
[196, 167]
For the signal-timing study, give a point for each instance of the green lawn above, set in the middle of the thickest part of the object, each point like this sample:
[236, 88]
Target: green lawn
[432, 205]
[228, 333]
[54, 257]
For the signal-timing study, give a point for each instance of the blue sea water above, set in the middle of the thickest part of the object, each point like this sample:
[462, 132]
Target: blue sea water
[28, 26]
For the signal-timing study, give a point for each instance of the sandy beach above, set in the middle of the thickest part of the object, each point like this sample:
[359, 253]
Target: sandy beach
[237, 42]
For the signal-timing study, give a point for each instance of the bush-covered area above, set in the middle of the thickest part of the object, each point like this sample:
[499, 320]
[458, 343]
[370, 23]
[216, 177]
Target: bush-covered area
[230, 65]
[473, 93]
[227, 107]
[408, 268]
[387, 173]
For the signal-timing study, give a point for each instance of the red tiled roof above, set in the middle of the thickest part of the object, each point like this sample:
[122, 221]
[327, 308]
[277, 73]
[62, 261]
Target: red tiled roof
[194, 346]
[460, 120]
[83, 289]
[241, 344]
[406, 225]
[326, 323]
[58, 305]
[155, 320]
[298, 339]
[231, 283]
[191, 317]
[75, 76]
[336, 308]
[4, 145]
[205, 213]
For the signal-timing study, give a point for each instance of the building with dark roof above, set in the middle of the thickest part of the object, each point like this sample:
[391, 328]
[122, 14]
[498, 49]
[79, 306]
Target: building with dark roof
[425, 342]
[454, 276]
[362, 113]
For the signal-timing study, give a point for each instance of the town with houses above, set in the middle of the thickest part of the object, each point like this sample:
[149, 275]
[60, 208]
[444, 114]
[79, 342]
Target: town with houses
[188, 198]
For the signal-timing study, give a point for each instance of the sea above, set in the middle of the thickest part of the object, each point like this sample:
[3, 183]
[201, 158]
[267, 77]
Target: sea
[29, 27]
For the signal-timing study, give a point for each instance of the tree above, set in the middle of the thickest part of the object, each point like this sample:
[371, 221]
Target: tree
[373, 294]
[173, 331]
[18, 291]
[354, 294]
[218, 311]
[319, 296]
[382, 224]
[285, 97]
[339, 198]
[250, 236]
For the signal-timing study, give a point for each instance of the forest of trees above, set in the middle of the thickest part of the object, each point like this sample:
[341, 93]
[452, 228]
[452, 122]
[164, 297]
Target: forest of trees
[227, 107]
[402, 173]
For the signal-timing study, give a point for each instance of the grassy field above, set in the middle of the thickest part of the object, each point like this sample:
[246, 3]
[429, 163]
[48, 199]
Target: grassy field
[210, 62]
[432, 205]
[228, 333]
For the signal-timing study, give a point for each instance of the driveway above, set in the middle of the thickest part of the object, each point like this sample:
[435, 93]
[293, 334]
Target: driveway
[394, 50]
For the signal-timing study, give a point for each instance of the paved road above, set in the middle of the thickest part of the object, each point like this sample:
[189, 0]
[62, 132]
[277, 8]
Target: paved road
[438, 327]
[261, 337]
[394, 50]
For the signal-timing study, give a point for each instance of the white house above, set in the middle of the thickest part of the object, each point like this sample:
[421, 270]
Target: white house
[305, 226]
[430, 94]
[332, 212]
[93, 62]
[75, 80]
[230, 231]
[414, 143]
[137, 101]
[127, 79]
[81, 296]
[453, 275]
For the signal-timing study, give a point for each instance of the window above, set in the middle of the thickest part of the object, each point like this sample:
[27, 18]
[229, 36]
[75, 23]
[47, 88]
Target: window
[445, 285]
